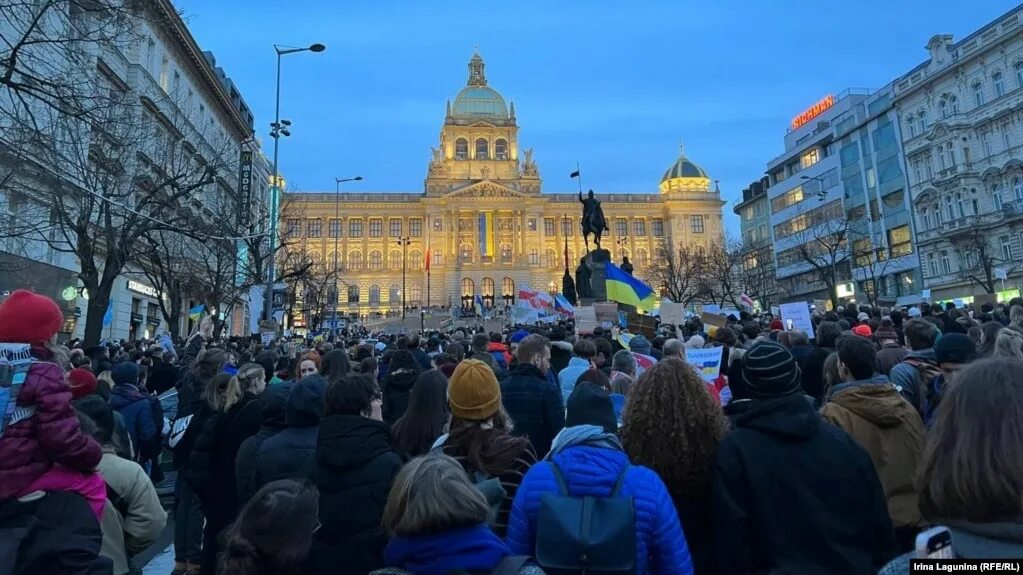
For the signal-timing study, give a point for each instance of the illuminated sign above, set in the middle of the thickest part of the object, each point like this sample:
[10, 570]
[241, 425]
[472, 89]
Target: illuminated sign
[142, 289]
[813, 111]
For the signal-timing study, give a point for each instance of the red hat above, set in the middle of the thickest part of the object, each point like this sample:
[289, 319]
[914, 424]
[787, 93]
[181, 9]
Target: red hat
[776, 324]
[27, 317]
[862, 329]
[82, 382]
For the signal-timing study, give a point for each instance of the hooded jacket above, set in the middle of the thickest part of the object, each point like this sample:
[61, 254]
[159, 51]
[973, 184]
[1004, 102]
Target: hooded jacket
[272, 412]
[907, 379]
[397, 391]
[570, 375]
[137, 411]
[793, 494]
[137, 518]
[355, 467]
[890, 355]
[874, 414]
[290, 454]
[501, 354]
[534, 404]
[561, 354]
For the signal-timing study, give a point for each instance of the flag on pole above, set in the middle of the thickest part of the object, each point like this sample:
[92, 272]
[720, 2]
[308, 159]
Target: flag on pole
[562, 304]
[427, 258]
[623, 288]
[478, 303]
[108, 316]
[574, 174]
[746, 301]
[195, 312]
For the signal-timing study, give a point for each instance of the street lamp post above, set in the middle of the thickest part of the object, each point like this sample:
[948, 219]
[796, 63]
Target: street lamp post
[404, 243]
[337, 238]
[277, 129]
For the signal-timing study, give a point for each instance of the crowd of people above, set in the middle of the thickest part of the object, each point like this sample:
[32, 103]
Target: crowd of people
[533, 450]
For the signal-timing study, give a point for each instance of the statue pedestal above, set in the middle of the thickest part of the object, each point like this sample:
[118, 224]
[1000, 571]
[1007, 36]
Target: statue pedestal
[595, 261]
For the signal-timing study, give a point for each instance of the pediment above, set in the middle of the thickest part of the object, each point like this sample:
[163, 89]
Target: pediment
[485, 189]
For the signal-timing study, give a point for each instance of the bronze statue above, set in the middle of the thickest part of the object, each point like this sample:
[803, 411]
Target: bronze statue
[582, 280]
[568, 287]
[626, 266]
[593, 219]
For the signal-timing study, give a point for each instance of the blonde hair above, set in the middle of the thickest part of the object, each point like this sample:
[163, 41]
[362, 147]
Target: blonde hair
[248, 374]
[222, 392]
[432, 494]
[105, 376]
[1009, 343]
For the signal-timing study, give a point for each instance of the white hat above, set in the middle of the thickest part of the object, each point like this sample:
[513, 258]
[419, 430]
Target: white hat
[914, 312]
[862, 316]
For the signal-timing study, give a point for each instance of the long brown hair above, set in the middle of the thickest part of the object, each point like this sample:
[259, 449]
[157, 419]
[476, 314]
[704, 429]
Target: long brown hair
[431, 495]
[973, 462]
[673, 426]
[489, 447]
[256, 543]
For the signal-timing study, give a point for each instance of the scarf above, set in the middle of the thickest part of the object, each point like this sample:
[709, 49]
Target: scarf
[591, 435]
[467, 549]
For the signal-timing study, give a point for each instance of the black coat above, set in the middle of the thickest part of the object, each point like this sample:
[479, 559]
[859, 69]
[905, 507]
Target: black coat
[794, 494]
[162, 377]
[812, 368]
[397, 389]
[57, 533]
[561, 354]
[272, 412]
[355, 466]
[290, 454]
[534, 404]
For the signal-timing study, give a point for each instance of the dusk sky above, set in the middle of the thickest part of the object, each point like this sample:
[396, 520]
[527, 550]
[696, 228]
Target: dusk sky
[612, 85]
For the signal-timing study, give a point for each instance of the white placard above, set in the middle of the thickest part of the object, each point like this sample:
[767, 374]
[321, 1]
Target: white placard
[672, 313]
[585, 319]
[798, 313]
[707, 361]
[926, 294]
[267, 337]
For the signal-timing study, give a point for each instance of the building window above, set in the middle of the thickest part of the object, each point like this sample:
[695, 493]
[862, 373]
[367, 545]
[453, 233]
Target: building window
[566, 226]
[353, 294]
[932, 264]
[165, 74]
[946, 264]
[999, 83]
[415, 260]
[531, 224]
[1019, 74]
[534, 257]
[953, 104]
[638, 228]
[465, 254]
[461, 149]
[1006, 135]
[985, 142]
[437, 259]
[501, 149]
[334, 228]
[900, 241]
[482, 149]
[871, 178]
[374, 294]
[657, 228]
[415, 227]
[811, 157]
[376, 260]
[936, 210]
[912, 127]
[550, 258]
[394, 260]
[996, 196]
[1006, 243]
[921, 121]
[355, 228]
[313, 228]
[696, 224]
[1017, 188]
[789, 198]
[950, 210]
[294, 228]
[506, 253]
[355, 261]
[548, 226]
[376, 228]
[642, 259]
[925, 219]
[943, 108]
[621, 227]
[978, 93]
[394, 225]
[960, 204]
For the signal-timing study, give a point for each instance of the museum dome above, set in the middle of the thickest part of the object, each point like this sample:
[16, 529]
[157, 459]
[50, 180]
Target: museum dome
[684, 174]
[481, 102]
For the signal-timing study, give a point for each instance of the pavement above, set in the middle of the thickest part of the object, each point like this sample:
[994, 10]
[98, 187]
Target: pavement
[162, 563]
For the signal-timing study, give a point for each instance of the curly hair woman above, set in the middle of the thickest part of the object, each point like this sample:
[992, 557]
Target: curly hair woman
[673, 426]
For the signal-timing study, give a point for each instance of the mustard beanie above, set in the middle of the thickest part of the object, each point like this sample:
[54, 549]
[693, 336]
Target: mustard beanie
[473, 392]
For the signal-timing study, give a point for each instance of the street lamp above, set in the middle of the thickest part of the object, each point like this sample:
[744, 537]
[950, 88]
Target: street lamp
[277, 129]
[404, 243]
[337, 237]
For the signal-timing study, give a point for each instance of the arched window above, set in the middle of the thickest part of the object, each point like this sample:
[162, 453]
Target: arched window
[355, 261]
[1017, 188]
[394, 296]
[978, 93]
[376, 260]
[506, 253]
[415, 294]
[921, 121]
[465, 253]
[642, 259]
[482, 149]
[949, 209]
[508, 287]
[394, 260]
[468, 287]
[501, 149]
[937, 215]
[996, 196]
[943, 108]
[953, 104]
[960, 204]
[374, 294]
[999, 83]
[316, 260]
[911, 124]
[353, 294]
[488, 287]
[1019, 74]
[461, 149]
[550, 258]
[925, 219]
[332, 263]
[415, 260]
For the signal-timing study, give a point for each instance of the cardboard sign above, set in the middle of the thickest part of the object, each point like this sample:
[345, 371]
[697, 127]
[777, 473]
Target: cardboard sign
[796, 315]
[585, 320]
[707, 361]
[644, 324]
[713, 319]
[606, 311]
[673, 313]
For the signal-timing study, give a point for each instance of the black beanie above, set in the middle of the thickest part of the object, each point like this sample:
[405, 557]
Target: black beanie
[100, 412]
[590, 405]
[955, 348]
[769, 370]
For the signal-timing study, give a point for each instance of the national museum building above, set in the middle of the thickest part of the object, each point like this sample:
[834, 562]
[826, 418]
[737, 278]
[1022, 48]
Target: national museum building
[483, 224]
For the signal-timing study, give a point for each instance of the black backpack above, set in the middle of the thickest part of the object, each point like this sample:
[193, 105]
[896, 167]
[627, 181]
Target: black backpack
[586, 535]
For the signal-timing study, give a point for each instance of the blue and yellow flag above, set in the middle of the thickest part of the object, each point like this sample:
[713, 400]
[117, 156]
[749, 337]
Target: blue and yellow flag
[195, 312]
[486, 234]
[623, 288]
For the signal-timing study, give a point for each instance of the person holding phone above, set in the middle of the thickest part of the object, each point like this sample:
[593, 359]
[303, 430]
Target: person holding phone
[972, 481]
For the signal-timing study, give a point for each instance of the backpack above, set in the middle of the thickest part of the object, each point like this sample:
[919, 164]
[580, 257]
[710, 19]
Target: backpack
[15, 363]
[490, 487]
[591, 535]
[926, 372]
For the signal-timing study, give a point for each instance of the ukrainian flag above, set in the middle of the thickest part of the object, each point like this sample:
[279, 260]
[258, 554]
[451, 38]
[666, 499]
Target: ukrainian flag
[478, 303]
[195, 312]
[486, 234]
[623, 288]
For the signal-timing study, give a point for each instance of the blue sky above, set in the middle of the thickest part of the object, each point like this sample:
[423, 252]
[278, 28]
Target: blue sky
[612, 85]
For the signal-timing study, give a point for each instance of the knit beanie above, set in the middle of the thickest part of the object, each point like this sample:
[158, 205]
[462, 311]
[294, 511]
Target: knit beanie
[884, 333]
[776, 324]
[862, 330]
[82, 382]
[473, 392]
[518, 336]
[27, 317]
[955, 348]
[639, 344]
[100, 412]
[125, 372]
[590, 405]
[769, 370]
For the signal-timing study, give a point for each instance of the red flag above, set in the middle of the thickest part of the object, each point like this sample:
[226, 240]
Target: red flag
[427, 259]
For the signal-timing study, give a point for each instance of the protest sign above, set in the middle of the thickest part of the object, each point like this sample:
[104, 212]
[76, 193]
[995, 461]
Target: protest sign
[707, 361]
[713, 319]
[585, 319]
[711, 308]
[796, 315]
[606, 311]
[644, 324]
[672, 313]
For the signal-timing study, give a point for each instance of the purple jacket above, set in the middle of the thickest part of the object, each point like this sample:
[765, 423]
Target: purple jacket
[31, 447]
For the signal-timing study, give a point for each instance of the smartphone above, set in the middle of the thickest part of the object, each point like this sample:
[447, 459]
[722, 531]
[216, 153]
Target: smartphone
[788, 325]
[935, 543]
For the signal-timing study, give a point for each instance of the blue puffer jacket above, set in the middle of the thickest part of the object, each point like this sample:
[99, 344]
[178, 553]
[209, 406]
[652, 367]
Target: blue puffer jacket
[660, 544]
[134, 406]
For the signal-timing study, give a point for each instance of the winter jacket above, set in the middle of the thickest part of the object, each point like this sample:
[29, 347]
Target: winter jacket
[510, 478]
[212, 465]
[890, 355]
[501, 354]
[55, 533]
[355, 467]
[874, 414]
[133, 517]
[990, 541]
[422, 357]
[291, 453]
[593, 471]
[190, 403]
[397, 390]
[534, 405]
[162, 377]
[561, 354]
[29, 448]
[472, 549]
[568, 376]
[735, 408]
[272, 409]
[137, 411]
[812, 368]
[907, 378]
[794, 494]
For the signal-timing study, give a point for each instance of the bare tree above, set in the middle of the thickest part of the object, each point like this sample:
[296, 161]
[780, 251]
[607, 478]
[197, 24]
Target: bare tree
[823, 244]
[982, 258]
[722, 275]
[757, 275]
[166, 261]
[871, 262]
[679, 272]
